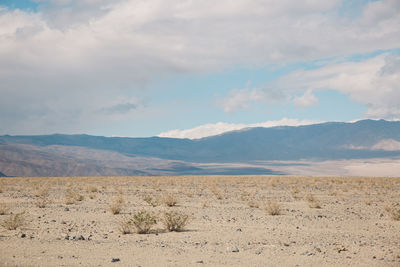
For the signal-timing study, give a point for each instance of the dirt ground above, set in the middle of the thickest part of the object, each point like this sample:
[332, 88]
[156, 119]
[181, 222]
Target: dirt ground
[233, 221]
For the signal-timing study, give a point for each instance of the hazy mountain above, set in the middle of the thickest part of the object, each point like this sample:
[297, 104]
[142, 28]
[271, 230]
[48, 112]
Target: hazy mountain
[333, 140]
[2, 174]
[77, 155]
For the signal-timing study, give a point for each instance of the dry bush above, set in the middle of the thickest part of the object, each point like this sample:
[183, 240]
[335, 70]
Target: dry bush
[175, 221]
[72, 197]
[116, 205]
[273, 208]
[14, 221]
[126, 226]
[151, 201]
[3, 209]
[42, 202]
[313, 202]
[142, 220]
[170, 200]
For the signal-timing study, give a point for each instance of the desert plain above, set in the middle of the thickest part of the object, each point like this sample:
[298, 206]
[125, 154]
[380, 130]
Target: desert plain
[226, 221]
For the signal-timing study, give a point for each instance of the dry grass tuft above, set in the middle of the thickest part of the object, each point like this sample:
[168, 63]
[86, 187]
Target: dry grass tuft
[170, 200]
[42, 202]
[117, 205]
[313, 202]
[71, 197]
[14, 221]
[151, 201]
[175, 221]
[273, 208]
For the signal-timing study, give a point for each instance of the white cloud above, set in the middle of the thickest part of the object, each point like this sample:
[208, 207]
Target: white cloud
[374, 82]
[222, 127]
[306, 100]
[75, 56]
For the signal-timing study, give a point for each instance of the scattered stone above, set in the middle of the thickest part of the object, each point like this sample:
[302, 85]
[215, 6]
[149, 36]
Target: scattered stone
[115, 259]
[238, 230]
[235, 249]
[199, 261]
[23, 235]
[66, 209]
[286, 244]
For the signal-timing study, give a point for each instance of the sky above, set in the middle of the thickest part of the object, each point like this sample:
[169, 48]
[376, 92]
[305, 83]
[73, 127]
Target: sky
[194, 68]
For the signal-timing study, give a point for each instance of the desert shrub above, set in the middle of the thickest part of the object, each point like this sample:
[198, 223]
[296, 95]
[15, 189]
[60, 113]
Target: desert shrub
[175, 221]
[42, 202]
[313, 202]
[150, 200]
[72, 197]
[143, 221]
[14, 221]
[273, 208]
[170, 200]
[116, 205]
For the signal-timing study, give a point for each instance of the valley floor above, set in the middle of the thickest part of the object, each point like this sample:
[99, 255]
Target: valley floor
[324, 221]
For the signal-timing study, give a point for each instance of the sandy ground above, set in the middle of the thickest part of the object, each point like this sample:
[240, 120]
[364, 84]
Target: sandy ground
[230, 222]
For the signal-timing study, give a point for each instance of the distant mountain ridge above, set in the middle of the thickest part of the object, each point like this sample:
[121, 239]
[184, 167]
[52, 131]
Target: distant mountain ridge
[249, 151]
[333, 140]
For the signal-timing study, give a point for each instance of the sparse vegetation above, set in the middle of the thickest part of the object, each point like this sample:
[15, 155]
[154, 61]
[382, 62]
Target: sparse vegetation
[116, 205]
[143, 221]
[170, 200]
[313, 202]
[42, 202]
[71, 196]
[273, 208]
[151, 201]
[14, 221]
[175, 220]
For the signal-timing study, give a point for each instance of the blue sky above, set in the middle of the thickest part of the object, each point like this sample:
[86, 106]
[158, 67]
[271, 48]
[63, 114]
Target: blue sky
[195, 68]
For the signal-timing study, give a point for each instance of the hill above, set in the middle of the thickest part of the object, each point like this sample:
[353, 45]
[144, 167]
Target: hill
[61, 154]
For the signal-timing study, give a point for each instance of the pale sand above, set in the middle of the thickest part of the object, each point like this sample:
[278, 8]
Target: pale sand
[354, 227]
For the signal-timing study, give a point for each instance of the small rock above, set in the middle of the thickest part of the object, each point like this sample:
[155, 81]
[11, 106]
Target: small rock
[199, 261]
[115, 259]
[23, 235]
[238, 230]
[286, 244]
[309, 253]
[235, 249]
[66, 209]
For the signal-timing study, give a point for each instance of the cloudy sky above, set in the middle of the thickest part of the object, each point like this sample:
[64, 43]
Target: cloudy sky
[192, 68]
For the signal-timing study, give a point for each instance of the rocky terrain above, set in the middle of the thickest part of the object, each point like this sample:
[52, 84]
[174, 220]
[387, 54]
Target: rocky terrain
[233, 221]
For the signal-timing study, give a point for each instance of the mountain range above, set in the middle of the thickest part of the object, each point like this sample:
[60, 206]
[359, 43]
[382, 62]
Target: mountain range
[236, 152]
